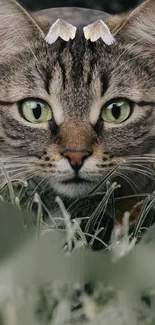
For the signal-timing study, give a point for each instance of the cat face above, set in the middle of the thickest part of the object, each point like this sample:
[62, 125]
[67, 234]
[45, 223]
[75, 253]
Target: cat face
[72, 111]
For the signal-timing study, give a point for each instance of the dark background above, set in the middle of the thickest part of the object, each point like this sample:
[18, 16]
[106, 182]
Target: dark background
[110, 6]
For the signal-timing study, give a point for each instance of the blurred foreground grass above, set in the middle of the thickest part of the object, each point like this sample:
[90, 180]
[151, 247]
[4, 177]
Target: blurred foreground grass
[50, 275]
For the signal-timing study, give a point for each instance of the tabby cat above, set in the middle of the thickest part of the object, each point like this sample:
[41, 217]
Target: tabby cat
[72, 111]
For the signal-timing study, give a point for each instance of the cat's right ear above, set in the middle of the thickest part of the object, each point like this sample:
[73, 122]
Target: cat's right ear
[17, 28]
[138, 28]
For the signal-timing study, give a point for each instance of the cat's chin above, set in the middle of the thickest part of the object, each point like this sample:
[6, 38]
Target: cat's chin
[73, 190]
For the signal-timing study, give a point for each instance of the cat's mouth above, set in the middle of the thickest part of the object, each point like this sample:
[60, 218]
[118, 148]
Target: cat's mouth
[73, 187]
[75, 180]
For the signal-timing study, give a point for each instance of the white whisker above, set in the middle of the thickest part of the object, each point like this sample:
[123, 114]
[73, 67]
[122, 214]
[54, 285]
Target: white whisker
[137, 170]
[37, 186]
[150, 170]
[129, 181]
[12, 167]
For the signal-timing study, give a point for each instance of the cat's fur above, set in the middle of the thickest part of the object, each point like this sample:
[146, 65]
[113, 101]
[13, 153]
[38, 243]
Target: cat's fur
[76, 79]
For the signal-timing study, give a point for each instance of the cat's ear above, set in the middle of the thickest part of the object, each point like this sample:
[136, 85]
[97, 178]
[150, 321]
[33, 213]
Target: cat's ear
[17, 27]
[138, 27]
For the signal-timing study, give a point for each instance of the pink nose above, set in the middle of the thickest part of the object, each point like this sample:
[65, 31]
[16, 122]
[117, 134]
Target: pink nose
[76, 158]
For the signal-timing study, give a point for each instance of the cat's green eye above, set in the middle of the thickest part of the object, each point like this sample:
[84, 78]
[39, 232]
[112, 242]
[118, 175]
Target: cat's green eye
[116, 112]
[36, 111]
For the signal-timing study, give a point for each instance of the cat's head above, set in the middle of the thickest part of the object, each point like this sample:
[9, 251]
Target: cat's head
[71, 111]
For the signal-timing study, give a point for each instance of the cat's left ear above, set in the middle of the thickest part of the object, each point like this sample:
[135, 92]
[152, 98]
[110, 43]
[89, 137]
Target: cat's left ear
[138, 27]
[17, 28]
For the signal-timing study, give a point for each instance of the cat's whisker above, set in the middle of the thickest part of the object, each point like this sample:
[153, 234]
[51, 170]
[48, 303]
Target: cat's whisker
[15, 166]
[18, 176]
[101, 209]
[37, 186]
[22, 176]
[48, 182]
[150, 170]
[139, 159]
[17, 172]
[143, 169]
[142, 156]
[46, 185]
[28, 175]
[12, 157]
[14, 163]
[129, 181]
[11, 169]
[9, 172]
[137, 170]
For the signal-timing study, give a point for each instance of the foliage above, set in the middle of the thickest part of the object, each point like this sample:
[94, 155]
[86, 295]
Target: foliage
[49, 274]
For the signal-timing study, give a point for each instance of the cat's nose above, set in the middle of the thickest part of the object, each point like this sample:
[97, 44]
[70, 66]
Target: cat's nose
[76, 158]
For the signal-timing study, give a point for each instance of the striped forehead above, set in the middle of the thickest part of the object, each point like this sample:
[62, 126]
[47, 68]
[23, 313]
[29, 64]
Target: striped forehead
[77, 81]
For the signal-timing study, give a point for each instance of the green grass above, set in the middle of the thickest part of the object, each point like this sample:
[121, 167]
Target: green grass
[49, 272]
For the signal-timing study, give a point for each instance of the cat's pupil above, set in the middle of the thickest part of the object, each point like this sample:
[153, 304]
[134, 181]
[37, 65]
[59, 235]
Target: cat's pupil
[116, 111]
[37, 111]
